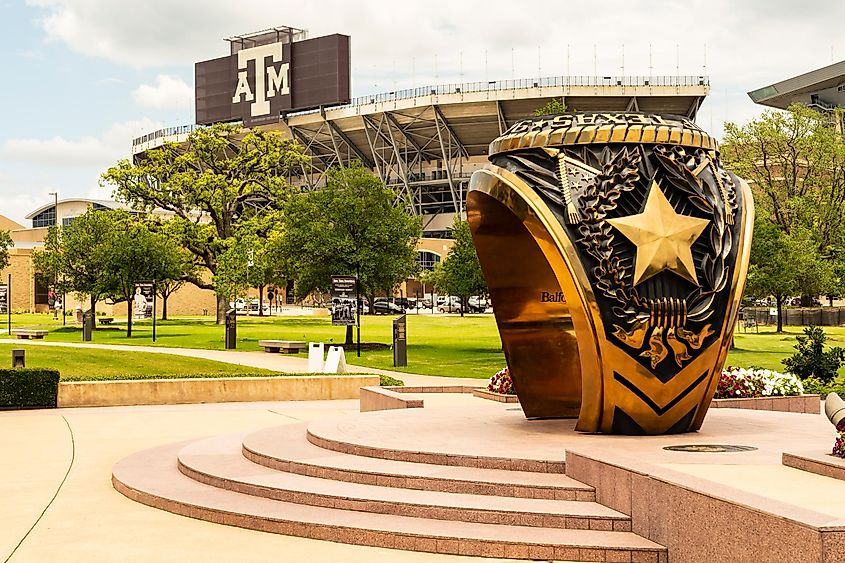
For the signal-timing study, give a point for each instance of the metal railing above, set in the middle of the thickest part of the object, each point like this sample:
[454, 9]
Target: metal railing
[483, 86]
[522, 84]
[166, 132]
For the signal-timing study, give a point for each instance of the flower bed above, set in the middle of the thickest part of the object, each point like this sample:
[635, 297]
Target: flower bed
[742, 383]
[501, 383]
[839, 445]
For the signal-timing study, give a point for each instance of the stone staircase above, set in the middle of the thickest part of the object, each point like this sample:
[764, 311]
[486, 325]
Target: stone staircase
[291, 481]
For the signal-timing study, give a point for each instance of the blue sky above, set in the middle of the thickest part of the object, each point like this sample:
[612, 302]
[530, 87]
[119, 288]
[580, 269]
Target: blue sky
[81, 78]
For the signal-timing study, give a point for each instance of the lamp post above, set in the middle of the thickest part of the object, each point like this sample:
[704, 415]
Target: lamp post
[56, 223]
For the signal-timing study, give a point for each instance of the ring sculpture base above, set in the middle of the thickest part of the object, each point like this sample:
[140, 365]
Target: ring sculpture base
[615, 247]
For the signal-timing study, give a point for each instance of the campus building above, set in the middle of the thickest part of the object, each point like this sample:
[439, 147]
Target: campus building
[29, 289]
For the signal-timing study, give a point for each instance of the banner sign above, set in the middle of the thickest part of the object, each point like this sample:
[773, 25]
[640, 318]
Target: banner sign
[344, 310]
[4, 298]
[142, 301]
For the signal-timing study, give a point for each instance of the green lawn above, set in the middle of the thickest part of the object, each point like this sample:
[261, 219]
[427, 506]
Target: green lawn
[437, 345]
[77, 364]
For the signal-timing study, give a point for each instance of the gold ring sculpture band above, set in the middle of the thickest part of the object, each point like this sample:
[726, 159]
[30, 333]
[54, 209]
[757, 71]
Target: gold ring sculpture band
[615, 247]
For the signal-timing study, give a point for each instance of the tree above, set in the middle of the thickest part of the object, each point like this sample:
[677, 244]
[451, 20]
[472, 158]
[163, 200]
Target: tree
[794, 162]
[350, 227]
[782, 265]
[214, 183]
[103, 253]
[5, 244]
[71, 256]
[552, 107]
[462, 275]
[134, 253]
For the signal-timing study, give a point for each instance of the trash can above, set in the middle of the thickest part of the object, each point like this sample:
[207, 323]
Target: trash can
[231, 329]
[18, 358]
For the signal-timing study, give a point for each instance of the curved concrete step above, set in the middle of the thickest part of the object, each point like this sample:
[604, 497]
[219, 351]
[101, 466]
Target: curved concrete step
[325, 440]
[219, 462]
[152, 478]
[285, 448]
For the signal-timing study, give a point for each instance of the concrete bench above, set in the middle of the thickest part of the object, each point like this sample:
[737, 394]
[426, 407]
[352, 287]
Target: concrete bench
[26, 334]
[106, 320]
[283, 346]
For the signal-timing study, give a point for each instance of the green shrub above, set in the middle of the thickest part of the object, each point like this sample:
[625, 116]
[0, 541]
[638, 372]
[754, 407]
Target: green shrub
[387, 381]
[811, 360]
[815, 386]
[27, 387]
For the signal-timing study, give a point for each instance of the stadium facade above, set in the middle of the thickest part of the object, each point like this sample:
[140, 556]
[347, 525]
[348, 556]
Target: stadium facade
[822, 89]
[426, 142]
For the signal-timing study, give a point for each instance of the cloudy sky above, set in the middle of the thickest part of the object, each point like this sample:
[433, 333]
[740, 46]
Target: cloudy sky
[81, 78]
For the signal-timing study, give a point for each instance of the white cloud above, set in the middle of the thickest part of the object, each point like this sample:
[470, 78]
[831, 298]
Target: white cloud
[169, 92]
[394, 44]
[30, 168]
[89, 151]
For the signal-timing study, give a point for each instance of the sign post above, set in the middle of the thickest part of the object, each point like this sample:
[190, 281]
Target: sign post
[154, 310]
[400, 341]
[5, 306]
[345, 304]
[144, 302]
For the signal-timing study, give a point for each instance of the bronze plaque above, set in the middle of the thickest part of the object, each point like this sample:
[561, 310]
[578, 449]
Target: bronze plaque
[615, 246]
[258, 84]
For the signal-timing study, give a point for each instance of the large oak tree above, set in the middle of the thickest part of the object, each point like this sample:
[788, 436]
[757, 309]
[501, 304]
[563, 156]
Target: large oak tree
[213, 184]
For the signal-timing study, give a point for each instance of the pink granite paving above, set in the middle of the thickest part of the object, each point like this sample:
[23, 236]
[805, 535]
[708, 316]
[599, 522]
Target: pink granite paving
[219, 462]
[484, 429]
[286, 448]
[151, 477]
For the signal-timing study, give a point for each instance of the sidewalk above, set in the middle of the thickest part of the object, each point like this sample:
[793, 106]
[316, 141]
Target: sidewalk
[276, 362]
[90, 521]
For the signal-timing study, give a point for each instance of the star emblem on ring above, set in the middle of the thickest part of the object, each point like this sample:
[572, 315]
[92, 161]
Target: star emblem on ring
[663, 237]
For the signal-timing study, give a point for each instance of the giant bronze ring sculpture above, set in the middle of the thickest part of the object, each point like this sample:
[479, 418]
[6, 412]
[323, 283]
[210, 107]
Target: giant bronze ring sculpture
[615, 247]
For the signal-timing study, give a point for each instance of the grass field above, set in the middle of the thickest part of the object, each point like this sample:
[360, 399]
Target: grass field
[437, 345]
[77, 364]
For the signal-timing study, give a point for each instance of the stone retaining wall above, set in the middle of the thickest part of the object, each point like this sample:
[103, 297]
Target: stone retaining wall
[211, 390]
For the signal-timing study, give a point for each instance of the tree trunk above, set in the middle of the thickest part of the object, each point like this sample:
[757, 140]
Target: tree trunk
[93, 305]
[164, 297]
[463, 305]
[129, 318]
[779, 301]
[260, 300]
[222, 307]
[349, 338]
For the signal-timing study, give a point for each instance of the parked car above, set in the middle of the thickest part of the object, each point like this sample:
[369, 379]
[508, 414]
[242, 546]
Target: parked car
[450, 305]
[477, 304]
[387, 308]
[796, 302]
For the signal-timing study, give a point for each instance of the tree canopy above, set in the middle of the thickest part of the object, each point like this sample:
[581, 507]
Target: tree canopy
[794, 162]
[103, 253]
[5, 244]
[353, 225]
[213, 185]
[552, 107]
[461, 271]
[783, 265]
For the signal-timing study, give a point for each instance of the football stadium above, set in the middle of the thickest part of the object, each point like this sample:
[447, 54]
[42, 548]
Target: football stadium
[426, 142]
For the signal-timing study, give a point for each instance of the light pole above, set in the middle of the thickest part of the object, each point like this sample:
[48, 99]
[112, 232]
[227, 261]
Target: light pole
[56, 223]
